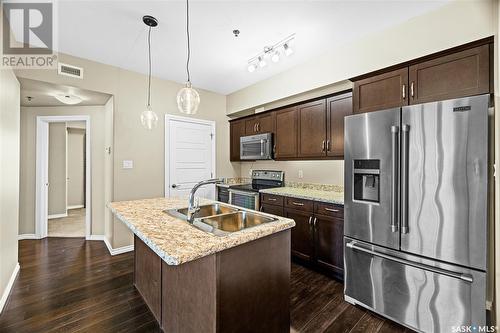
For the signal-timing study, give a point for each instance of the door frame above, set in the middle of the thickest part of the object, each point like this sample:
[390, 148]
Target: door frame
[42, 167]
[168, 119]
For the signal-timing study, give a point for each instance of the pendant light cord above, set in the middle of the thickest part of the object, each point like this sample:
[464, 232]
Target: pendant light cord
[188, 42]
[149, 67]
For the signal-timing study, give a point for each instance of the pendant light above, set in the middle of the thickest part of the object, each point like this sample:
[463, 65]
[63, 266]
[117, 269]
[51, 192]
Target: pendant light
[188, 99]
[149, 119]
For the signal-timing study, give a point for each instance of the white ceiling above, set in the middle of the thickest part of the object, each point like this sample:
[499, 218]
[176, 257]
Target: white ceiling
[112, 32]
[42, 94]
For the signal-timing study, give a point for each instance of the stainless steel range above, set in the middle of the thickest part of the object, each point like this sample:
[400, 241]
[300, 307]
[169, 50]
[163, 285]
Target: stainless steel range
[416, 213]
[247, 196]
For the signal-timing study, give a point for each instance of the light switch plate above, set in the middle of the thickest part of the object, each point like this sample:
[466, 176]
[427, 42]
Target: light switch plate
[127, 164]
[301, 174]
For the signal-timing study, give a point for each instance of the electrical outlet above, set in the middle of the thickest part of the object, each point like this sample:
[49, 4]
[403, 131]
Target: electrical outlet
[127, 164]
[301, 174]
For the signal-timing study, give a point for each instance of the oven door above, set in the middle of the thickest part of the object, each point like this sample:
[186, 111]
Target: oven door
[256, 147]
[245, 199]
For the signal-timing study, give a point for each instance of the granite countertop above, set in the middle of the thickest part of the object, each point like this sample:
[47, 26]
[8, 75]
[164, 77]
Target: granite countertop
[330, 196]
[234, 181]
[175, 240]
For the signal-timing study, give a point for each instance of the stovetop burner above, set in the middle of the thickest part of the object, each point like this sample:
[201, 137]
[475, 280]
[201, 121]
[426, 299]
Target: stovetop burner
[262, 179]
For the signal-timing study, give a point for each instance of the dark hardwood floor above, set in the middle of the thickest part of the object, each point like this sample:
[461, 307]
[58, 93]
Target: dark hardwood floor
[72, 285]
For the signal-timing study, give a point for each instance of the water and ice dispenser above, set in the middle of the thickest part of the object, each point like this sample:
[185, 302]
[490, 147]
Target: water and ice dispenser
[367, 180]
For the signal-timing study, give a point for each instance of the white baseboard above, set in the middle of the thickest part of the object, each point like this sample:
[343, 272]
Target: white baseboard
[95, 237]
[27, 236]
[57, 216]
[75, 206]
[118, 250]
[8, 288]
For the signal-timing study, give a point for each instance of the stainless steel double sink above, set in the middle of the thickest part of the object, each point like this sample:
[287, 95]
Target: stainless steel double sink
[220, 220]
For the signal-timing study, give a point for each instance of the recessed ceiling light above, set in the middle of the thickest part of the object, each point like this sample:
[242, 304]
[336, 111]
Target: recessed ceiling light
[68, 99]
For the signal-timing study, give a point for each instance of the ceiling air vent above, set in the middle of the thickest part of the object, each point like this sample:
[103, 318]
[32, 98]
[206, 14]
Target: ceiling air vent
[69, 70]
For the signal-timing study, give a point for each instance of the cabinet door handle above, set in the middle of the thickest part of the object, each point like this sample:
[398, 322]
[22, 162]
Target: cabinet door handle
[327, 145]
[310, 220]
[315, 221]
[255, 127]
[258, 127]
[331, 210]
[412, 90]
[404, 91]
[323, 145]
[297, 203]
[271, 199]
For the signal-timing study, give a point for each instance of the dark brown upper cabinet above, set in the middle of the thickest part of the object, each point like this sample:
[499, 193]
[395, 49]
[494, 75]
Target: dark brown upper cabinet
[312, 129]
[236, 131]
[464, 73]
[286, 133]
[259, 124]
[379, 92]
[337, 108]
[459, 72]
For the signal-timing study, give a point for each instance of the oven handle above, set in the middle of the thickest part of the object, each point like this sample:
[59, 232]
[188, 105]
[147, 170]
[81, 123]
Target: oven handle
[442, 271]
[247, 193]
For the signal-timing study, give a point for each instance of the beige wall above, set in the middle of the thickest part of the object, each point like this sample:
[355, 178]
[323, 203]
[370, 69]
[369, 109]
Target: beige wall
[454, 24]
[324, 172]
[76, 166]
[57, 169]
[108, 169]
[28, 162]
[131, 140]
[9, 175]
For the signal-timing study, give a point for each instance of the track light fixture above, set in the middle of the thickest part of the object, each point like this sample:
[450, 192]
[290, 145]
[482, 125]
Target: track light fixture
[274, 52]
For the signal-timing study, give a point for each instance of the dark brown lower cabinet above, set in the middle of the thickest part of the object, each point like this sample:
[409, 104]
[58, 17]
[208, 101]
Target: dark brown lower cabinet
[317, 238]
[242, 289]
[329, 250]
[271, 209]
[147, 276]
[302, 237]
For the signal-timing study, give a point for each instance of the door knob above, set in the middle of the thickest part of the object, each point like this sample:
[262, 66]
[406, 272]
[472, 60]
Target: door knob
[174, 185]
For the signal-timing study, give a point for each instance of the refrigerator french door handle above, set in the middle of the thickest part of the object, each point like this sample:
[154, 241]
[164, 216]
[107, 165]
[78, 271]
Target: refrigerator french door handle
[456, 275]
[404, 178]
[395, 177]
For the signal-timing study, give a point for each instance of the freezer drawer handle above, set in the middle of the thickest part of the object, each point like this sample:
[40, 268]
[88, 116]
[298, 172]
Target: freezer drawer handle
[461, 276]
[331, 210]
[395, 177]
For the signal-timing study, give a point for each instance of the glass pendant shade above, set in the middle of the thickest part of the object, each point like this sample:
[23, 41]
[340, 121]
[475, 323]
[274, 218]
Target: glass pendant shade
[188, 99]
[149, 119]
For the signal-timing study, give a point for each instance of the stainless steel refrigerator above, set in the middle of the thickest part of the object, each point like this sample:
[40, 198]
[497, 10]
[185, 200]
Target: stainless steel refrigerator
[415, 229]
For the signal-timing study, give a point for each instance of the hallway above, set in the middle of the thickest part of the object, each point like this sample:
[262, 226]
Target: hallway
[72, 225]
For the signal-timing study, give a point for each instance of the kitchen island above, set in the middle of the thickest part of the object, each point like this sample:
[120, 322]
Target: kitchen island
[194, 281]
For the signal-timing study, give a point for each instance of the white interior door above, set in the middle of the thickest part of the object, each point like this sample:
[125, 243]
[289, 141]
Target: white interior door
[190, 157]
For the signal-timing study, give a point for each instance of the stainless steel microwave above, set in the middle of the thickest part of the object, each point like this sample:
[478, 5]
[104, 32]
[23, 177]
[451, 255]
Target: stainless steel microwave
[256, 147]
